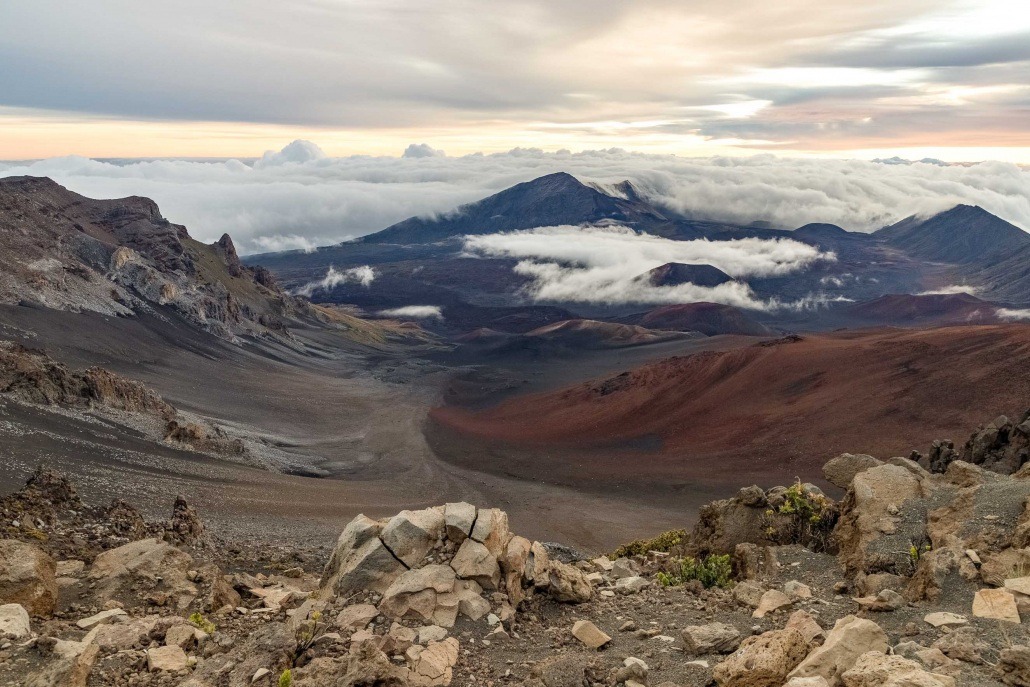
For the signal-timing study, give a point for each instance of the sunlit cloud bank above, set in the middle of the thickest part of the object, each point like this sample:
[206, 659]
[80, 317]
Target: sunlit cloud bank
[605, 264]
[363, 275]
[416, 312]
[1012, 314]
[297, 197]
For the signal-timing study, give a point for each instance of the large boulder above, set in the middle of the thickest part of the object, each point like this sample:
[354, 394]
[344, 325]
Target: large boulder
[360, 560]
[474, 561]
[568, 584]
[881, 516]
[850, 638]
[148, 564]
[876, 669]
[763, 661]
[840, 471]
[411, 534]
[27, 577]
[713, 638]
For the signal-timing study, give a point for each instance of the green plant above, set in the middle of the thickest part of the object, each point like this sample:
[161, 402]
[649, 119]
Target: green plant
[810, 517]
[664, 542]
[710, 571]
[201, 623]
[286, 679]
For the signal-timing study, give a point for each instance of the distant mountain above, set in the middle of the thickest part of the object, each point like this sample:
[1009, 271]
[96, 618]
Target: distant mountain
[677, 273]
[928, 309]
[63, 251]
[965, 234]
[550, 200]
[710, 319]
[1007, 276]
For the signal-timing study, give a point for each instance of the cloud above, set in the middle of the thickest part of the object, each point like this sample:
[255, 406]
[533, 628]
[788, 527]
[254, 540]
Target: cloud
[298, 152]
[951, 290]
[326, 200]
[418, 312]
[363, 275]
[604, 264]
[1012, 314]
[417, 150]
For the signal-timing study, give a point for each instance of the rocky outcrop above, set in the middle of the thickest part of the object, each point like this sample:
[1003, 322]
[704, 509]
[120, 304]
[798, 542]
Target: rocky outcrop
[27, 577]
[1002, 446]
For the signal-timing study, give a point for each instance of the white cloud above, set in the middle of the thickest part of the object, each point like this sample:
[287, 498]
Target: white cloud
[1013, 314]
[951, 290]
[416, 150]
[418, 312]
[330, 199]
[602, 264]
[298, 152]
[363, 275]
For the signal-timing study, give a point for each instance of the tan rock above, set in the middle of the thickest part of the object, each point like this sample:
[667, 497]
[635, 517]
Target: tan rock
[166, 659]
[14, 622]
[537, 565]
[109, 616]
[435, 663]
[458, 521]
[410, 535]
[183, 636]
[70, 568]
[850, 638]
[27, 577]
[875, 669]
[356, 617]
[804, 623]
[773, 600]
[763, 660]
[998, 604]
[147, 564]
[568, 584]
[945, 619]
[474, 561]
[491, 530]
[589, 634]
[748, 593]
[1019, 585]
[713, 638]
[470, 602]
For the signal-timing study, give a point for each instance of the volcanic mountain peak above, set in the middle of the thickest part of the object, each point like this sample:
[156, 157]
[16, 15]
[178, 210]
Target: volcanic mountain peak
[550, 200]
[964, 234]
[926, 309]
[710, 319]
[676, 273]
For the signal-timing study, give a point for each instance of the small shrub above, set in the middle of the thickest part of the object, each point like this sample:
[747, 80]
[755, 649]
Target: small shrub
[201, 623]
[664, 542]
[810, 519]
[286, 679]
[710, 571]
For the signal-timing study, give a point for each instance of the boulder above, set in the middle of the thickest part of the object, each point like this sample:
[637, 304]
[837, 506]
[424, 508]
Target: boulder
[998, 604]
[713, 638]
[474, 561]
[874, 532]
[876, 669]
[411, 534]
[491, 530]
[434, 664]
[1014, 666]
[360, 560]
[963, 644]
[850, 638]
[14, 622]
[148, 564]
[56, 663]
[840, 471]
[804, 623]
[130, 634]
[537, 565]
[945, 619]
[458, 521]
[763, 660]
[108, 616]
[356, 617]
[748, 593]
[589, 634]
[568, 584]
[631, 585]
[771, 601]
[415, 592]
[170, 659]
[27, 578]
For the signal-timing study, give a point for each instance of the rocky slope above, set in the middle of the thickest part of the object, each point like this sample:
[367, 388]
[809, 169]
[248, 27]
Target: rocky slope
[917, 577]
[121, 257]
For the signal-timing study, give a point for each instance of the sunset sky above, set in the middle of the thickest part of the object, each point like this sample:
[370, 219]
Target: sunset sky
[196, 78]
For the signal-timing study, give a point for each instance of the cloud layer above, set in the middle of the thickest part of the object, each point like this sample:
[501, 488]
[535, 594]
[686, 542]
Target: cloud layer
[298, 197]
[604, 265]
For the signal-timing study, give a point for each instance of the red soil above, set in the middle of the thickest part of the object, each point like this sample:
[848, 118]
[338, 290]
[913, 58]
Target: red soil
[771, 410]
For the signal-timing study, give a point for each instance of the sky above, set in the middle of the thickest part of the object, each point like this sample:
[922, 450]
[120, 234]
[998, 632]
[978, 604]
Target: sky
[947, 79]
